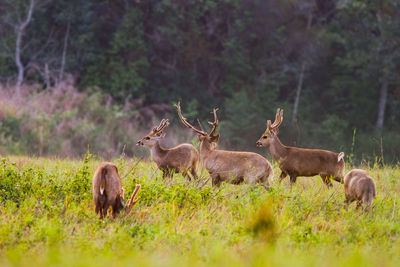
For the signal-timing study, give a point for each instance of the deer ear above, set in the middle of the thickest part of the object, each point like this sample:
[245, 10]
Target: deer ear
[275, 131]
[161, 134]
[215, 138]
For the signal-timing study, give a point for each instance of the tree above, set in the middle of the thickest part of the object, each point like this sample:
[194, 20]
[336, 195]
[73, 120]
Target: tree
[19, 21]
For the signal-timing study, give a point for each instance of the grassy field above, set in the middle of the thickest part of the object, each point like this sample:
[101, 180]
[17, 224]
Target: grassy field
[47, 218]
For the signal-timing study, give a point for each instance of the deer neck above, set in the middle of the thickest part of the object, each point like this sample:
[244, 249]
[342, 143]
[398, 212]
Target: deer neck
[157, 152]
[205, 150]
[277, 149]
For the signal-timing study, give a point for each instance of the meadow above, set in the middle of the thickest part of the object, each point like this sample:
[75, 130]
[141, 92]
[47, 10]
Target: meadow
[47, 218]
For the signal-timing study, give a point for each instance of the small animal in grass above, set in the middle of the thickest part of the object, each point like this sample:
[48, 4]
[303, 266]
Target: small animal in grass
[180, 159]
[107, 190]
[359, 186]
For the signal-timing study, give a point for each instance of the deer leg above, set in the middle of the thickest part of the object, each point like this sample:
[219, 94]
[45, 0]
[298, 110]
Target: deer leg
[338, 179]
[115, 208]
[293, 179]
[216, 180]
[347, 201]
[264, 182]
[282, 176]
[193, 172]
[266, 185]
[101, 213]
[326, 180]
[166, 173]
[98, 208]
[358, 204]
[186, 175]
[105, 209]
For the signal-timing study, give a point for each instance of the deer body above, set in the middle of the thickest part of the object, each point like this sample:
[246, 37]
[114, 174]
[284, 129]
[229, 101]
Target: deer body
[249, 167]
[231, 166]
[180, 159]
[107, 190]
[294, 161]
[360, 187]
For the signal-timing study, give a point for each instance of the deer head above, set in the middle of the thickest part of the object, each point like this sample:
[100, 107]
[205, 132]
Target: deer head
[209, 138]
[272, 129]
[155, 135]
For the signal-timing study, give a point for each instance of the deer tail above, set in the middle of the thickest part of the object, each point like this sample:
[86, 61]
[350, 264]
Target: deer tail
[103, 180]
[340, 156]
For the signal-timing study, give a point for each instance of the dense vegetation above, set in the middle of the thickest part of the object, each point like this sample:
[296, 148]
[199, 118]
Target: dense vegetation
[332, 65]
[47, 218]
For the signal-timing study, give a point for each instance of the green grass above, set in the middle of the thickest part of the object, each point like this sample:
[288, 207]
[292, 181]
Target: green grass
[47, 218]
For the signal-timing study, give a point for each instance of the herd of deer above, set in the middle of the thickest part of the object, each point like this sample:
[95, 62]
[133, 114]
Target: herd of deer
[233, 166]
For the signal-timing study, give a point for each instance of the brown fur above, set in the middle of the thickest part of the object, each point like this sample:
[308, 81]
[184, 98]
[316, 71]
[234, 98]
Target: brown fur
[359, 186]
[106, 177]
[180, 159]
[230, 166]
[294, 161]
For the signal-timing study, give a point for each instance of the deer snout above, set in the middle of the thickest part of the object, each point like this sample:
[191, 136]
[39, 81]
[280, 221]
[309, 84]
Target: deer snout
[258, 144]
[139, 143]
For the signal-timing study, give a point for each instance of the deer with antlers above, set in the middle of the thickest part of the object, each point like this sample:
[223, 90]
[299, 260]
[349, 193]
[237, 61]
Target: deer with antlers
[182, 158]
[230, 166]
[294, 161]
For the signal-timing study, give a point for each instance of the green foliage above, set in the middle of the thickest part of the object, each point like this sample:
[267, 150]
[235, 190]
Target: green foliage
[80, 186]
[47, 216]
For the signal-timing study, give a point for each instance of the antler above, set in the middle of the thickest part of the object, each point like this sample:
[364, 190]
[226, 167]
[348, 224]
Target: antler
[201, 126]
[278, 119]
[184, 121]
[215, 123]
[164, 123]
[132, 201]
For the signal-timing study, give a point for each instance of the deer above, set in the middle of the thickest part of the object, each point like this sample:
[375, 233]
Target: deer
[108, 192]
[360, 187]
[182, 158]
[233, 167]
[294, 161]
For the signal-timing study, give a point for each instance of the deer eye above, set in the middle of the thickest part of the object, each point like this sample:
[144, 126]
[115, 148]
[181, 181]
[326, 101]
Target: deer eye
[147, 138]
[264, 136]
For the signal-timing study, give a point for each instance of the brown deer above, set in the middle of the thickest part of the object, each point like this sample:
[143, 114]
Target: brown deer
[182, 158]
[359, 186]
[108, 192]
[230, 166]
[294, 161]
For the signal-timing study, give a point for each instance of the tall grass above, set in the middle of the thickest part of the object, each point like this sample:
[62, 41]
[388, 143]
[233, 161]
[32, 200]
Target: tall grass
[47, 218]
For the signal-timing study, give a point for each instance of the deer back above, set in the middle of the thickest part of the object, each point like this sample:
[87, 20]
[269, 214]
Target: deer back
[180, 157]
[112, 185]
[309, 162]
[359, 185]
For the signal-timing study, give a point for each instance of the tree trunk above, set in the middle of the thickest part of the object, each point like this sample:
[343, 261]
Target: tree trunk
[382, 101]
[298, 91]
[20, 31]
[47, 76]
[301, 77]
[18, 62]
[64, 54]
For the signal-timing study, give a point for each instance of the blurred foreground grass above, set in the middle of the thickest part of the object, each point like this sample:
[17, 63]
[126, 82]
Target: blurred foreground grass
[47, 218]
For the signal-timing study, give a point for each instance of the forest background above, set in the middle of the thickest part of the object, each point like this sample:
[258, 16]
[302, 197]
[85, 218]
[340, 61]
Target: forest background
[85, 74]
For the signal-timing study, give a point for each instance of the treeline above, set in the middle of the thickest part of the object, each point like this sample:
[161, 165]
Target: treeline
[333, 66]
